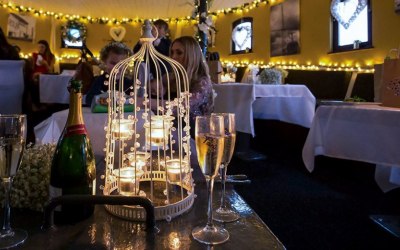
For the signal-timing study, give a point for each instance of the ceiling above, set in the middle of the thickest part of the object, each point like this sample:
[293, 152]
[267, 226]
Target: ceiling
[126, 8]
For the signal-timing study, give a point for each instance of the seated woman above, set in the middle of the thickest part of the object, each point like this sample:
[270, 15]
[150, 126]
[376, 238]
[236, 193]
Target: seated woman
[186, 51]
[110, 55]
[43, 60]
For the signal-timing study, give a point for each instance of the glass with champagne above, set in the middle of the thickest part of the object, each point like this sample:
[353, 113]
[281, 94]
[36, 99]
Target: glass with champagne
[224, 213]
[209, 133]
[12, 144]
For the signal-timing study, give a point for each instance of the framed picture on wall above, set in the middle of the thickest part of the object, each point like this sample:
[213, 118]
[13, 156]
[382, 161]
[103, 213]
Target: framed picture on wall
[242, 35]
[21, 27]
[397, 6]
[285, 28]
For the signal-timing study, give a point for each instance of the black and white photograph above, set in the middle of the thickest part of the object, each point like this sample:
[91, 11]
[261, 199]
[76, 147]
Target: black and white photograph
[285, 28]
[21, 27]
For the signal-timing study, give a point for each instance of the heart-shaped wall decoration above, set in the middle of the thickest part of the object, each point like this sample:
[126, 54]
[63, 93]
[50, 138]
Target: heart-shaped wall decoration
[346, 11]
[117, 33]
[241, 35]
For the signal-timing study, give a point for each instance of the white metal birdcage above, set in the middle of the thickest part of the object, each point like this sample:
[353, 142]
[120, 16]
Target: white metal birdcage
[148, 149]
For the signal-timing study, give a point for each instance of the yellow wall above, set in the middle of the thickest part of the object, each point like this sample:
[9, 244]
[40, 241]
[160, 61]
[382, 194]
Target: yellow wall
[314, 35]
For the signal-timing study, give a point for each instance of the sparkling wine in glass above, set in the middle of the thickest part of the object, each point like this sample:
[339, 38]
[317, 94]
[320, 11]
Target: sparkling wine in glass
[12, 144]
[209, 133]
[224, 213]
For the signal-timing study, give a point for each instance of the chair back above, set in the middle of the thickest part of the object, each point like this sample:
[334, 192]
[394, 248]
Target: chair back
[11, 86]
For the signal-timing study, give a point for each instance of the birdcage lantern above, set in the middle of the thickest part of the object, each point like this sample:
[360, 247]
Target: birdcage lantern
[148, 150]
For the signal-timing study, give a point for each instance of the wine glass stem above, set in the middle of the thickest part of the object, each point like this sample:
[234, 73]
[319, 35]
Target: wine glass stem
[210, 187]
[223, 181]
[6, 229]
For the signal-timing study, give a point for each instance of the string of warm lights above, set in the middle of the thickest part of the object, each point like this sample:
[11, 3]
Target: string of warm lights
[62, 58]
[239, 9]
[125, 20]
[89, 19]
[308, 66]
[261, 64]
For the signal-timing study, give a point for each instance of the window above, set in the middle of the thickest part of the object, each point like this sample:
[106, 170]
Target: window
[242, 36]
[351, 25]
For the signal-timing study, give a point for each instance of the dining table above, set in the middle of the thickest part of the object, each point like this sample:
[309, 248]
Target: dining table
[367, 132]
[104, 230]
[49, 130]
[292, 103]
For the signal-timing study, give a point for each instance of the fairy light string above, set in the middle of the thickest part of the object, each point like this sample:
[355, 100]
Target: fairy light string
[368, 68]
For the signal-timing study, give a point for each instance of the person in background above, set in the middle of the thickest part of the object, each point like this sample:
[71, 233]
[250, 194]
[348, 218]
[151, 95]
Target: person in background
[110, 55]
[161, 44]
[43, 60]
[7, 51]
[186, 51]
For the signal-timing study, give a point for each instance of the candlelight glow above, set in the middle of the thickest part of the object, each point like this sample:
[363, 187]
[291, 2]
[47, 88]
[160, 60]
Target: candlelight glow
[122, 129]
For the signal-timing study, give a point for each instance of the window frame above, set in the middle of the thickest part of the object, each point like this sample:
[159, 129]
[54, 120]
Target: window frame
[236, 23]
[336, 48]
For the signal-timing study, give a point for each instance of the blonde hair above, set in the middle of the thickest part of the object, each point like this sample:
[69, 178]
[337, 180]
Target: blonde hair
[193, 58]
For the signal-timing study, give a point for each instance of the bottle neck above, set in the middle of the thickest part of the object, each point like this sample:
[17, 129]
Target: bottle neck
[75, 109]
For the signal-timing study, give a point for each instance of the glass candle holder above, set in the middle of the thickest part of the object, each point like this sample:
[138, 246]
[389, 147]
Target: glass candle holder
[157, 130]
[176, 170]
[122, 129]
[128, 180]
[138, 159]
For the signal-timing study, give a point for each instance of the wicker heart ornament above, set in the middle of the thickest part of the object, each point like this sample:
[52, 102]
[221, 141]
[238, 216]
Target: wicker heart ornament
[346, 11]
[117, 33]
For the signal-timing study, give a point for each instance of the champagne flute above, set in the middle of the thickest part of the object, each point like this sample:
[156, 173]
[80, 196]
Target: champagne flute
[209, 133]
[224, 213]
[12, 144]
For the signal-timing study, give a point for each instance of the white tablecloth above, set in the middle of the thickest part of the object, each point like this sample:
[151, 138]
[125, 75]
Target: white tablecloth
[50, 129]
[368, 133]
[289, 103]
[53, 88]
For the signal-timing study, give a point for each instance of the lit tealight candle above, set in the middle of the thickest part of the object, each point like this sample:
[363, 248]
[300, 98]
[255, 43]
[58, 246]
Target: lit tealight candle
[176, 170]
[138, 159]
[122, 129]
[128, 180]
[157, 130]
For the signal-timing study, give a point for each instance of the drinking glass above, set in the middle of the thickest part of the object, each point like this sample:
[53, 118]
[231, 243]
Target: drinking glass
[224, 213]
[209, 133]
[12, 144]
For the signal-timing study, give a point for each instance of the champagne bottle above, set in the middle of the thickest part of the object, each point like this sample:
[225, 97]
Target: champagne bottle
[73, 169]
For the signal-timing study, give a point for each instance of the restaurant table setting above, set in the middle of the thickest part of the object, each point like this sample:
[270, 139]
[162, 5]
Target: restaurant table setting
[361, 132]
[285, 102]
[146, 171]
[104, 230]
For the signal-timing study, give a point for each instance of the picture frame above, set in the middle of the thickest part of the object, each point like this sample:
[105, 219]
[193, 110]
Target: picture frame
[21, 27]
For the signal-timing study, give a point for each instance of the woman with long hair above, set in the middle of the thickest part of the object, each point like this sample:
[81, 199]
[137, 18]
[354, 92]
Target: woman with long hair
[186, 51]
[43, 60]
